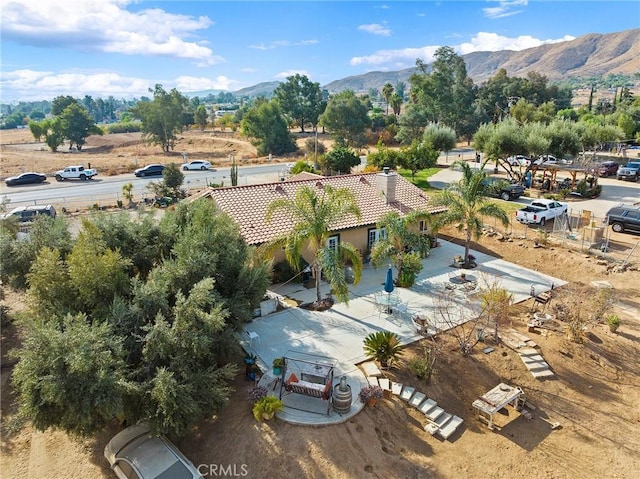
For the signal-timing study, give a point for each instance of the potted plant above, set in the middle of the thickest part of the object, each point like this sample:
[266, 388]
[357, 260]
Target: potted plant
[250, 358]
[266, 408]
[369, 395]
[278, 364]
[614, 322]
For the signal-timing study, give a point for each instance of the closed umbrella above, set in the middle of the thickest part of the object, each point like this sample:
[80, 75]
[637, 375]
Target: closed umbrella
[388, 283]
[388, 287]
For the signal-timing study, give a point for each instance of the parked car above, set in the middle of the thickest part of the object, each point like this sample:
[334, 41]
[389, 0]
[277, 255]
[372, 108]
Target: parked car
[155, 169]
[135, 453]
[197, 165]
[26, 214]
[25, 179]
[518, 160]
[624, 218]
[77, 172]
[547, 160]
[631, 171]
[501, 188]
[607, 168]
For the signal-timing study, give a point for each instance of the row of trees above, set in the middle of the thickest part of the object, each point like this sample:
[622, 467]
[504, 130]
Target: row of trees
[132, 320]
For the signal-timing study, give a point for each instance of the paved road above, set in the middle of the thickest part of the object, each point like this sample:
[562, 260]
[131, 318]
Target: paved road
[69, 192]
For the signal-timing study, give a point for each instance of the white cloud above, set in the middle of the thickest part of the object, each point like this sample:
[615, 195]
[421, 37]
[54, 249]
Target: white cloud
[504, 8]
[375, 29]
[282, 43]
[403, 58]
[492, 42]
[28, 85]
[482, 42]
[288, 73]
[105, 26]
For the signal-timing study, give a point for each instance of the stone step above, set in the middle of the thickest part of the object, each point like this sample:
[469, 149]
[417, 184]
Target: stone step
[532, 359]
[396, 388]
[528, 352]
[434, 413]
[372, 380]
[427, 405]
[385, 384]
[450, 427]
[443, 419]
[407, 392]
[417, 399]
[542, 374]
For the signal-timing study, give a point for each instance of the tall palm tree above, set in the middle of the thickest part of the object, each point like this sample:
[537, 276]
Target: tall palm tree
[399, 239]
[313, 213]
[387, 91]
[467, 204]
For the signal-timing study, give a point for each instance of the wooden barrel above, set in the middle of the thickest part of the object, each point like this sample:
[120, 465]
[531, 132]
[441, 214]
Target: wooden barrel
[342, 396]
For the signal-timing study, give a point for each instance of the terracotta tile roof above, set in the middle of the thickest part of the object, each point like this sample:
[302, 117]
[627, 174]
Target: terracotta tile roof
[247, 205]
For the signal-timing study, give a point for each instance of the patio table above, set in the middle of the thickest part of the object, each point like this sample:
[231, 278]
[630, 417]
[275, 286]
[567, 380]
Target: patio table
[389, 301]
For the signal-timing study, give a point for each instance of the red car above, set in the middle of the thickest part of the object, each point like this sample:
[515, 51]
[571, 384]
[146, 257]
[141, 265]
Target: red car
[608, 168]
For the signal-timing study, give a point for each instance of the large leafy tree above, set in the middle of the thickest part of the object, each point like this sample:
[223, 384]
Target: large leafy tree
[313, 213]
[346, 118]
[443, 138]
[341, 159]
[418, 156]
[401, 239]
[267, 127]
[411, 124]
[200, 116]
[466, 206]
[71, 375]
[163, 117]
[77, 125]
[301, 100]
[109, 342]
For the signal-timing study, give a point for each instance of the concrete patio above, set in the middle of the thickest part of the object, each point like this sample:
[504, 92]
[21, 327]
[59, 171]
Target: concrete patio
[338, 333]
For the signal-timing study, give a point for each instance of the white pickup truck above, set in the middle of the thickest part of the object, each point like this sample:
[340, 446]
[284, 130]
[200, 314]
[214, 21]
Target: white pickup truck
[76, 173]
[541, 211]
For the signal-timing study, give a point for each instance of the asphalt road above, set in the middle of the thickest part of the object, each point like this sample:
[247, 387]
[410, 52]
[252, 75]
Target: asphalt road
[101, 187]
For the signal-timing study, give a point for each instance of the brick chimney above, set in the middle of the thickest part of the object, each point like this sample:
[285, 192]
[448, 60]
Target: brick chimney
[386, 184]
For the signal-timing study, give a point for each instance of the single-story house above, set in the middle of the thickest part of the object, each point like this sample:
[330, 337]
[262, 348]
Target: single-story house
[376, 194]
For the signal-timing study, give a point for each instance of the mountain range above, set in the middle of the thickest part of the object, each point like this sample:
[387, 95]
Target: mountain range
[587, 56]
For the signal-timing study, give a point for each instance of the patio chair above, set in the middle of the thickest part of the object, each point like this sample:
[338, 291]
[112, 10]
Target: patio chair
[401, 310]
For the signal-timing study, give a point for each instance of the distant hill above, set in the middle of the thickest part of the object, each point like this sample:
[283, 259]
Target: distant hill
[590, 55]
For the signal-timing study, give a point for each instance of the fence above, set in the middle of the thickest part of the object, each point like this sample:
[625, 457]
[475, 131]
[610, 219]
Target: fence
[579, 230]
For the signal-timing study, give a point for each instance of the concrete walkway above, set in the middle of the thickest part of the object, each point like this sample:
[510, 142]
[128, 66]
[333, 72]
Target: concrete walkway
[339, 332]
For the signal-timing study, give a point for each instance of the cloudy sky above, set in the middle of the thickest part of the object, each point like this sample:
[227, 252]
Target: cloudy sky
[124, 47]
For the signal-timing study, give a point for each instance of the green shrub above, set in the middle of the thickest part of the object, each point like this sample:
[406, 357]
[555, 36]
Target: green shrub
[383, 346]
[614, 322]
[266, 408]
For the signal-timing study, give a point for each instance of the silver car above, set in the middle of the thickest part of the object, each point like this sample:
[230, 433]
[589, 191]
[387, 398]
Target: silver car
[135, 453]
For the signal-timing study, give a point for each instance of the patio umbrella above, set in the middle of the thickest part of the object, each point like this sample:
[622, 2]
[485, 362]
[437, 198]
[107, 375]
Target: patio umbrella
[388, 282]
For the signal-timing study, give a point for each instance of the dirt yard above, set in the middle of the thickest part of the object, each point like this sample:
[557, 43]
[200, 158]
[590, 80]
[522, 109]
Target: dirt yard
[594, 396]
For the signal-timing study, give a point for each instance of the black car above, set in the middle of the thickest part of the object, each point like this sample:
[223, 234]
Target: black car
[26, 214]
[150, 170]
[501, 188]
[26, 179]
[624, 218]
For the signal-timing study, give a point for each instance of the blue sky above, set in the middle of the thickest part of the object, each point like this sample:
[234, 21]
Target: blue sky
[124, 47]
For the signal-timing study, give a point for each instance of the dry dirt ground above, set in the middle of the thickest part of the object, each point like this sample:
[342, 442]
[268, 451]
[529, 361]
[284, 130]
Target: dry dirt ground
[594, 396]
[124, 152]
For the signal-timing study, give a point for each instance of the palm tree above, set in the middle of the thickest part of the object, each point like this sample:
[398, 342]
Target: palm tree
[387, 91]
[399, 239]
[313, 214]
[467, 204]
[384, 347]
